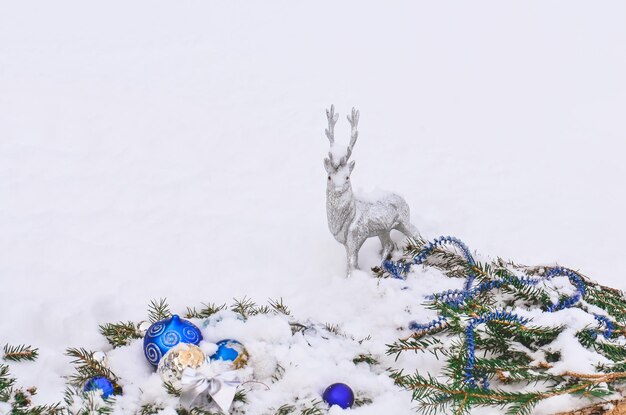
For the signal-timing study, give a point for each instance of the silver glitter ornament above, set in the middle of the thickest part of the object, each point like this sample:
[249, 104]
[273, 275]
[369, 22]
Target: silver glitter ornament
[353, 219]
[177, 359]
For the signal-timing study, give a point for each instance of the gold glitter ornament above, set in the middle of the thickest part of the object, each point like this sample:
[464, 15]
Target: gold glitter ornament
[177, 359]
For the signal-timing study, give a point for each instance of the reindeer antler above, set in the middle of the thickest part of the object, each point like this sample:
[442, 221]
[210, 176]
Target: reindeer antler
[332, 120]
[353, 119]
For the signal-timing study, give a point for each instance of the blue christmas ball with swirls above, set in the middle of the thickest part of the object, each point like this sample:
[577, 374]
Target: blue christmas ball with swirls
[339, 394]
[232, 351]
[165, 334]
[102, 383]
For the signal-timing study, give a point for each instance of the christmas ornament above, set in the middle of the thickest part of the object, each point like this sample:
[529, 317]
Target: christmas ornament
[199, 385]
[177, 359]
[233, 351]
[101, 383]
[352, 220]
[165, 334]
[339, 394]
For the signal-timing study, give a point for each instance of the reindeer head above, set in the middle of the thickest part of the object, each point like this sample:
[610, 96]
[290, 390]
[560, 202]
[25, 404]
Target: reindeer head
[336, 163]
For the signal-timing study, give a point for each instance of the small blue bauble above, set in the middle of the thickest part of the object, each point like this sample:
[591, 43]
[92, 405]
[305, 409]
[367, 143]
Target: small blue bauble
[101, 383]
[339, 394]
[232, 351]
[165, 334]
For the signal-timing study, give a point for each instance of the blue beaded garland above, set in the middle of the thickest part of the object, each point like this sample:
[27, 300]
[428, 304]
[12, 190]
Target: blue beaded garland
[339, 394]
[165, 334]
[101, 383]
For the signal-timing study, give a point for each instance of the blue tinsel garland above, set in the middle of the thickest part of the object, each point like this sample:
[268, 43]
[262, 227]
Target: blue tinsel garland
[399, 270]
[458, 297]
[499, 315]
[574, 279]
[608, 323]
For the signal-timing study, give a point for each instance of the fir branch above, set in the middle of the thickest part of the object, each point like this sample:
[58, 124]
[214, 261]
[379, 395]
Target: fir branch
[414, 344]
[366, 338]
[171, 389]
[610, 300]
[244, 307]
[87, 367]
[614, 352]
[22, 404]
[279, 372]
[6, 381]
[297, 327]
[589, 338]
[279, 307]
[20, 399]
[240, 396]
[90, 404]
[334, 329]
[207, 310]
[506, 341]
[264, 309]
[528, 294]
[158, 310]
[150, 409]
[20, 353]
[439, 395]
[365, 358]
[285, 409]
[120, 334]
[313, 408]
[195, 411]
[361, 401]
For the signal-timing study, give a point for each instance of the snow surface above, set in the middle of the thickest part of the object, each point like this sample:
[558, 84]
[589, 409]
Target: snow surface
[155, 151]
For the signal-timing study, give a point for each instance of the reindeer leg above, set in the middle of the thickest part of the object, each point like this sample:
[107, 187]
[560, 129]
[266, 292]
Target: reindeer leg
[352, 250]
[408, 229]
[387, 244]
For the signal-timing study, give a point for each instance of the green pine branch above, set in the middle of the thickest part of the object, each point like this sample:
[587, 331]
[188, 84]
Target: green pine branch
[206, 311]
[435, 395]
[365, 358]
[20, 399]
[285, 409]
[279, 307]
[195, 411]
[414, 344]
[86, 367]
[20, 353]
[6, 382]
[150, 409]
[84, 403]
[171, 389]
[505, 352]
[245, 307]
[158, 310]
[120, 334]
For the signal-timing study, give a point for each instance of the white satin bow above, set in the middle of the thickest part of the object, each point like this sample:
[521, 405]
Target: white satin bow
[222, 388]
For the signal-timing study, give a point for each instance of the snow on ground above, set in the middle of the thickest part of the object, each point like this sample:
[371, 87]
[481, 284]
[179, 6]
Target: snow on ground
[155, 151]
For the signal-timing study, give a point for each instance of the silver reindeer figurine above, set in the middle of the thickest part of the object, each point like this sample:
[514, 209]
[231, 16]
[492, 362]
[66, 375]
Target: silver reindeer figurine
[351, 219]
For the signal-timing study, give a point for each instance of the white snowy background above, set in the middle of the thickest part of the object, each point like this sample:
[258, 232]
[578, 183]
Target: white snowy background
[157, 149]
